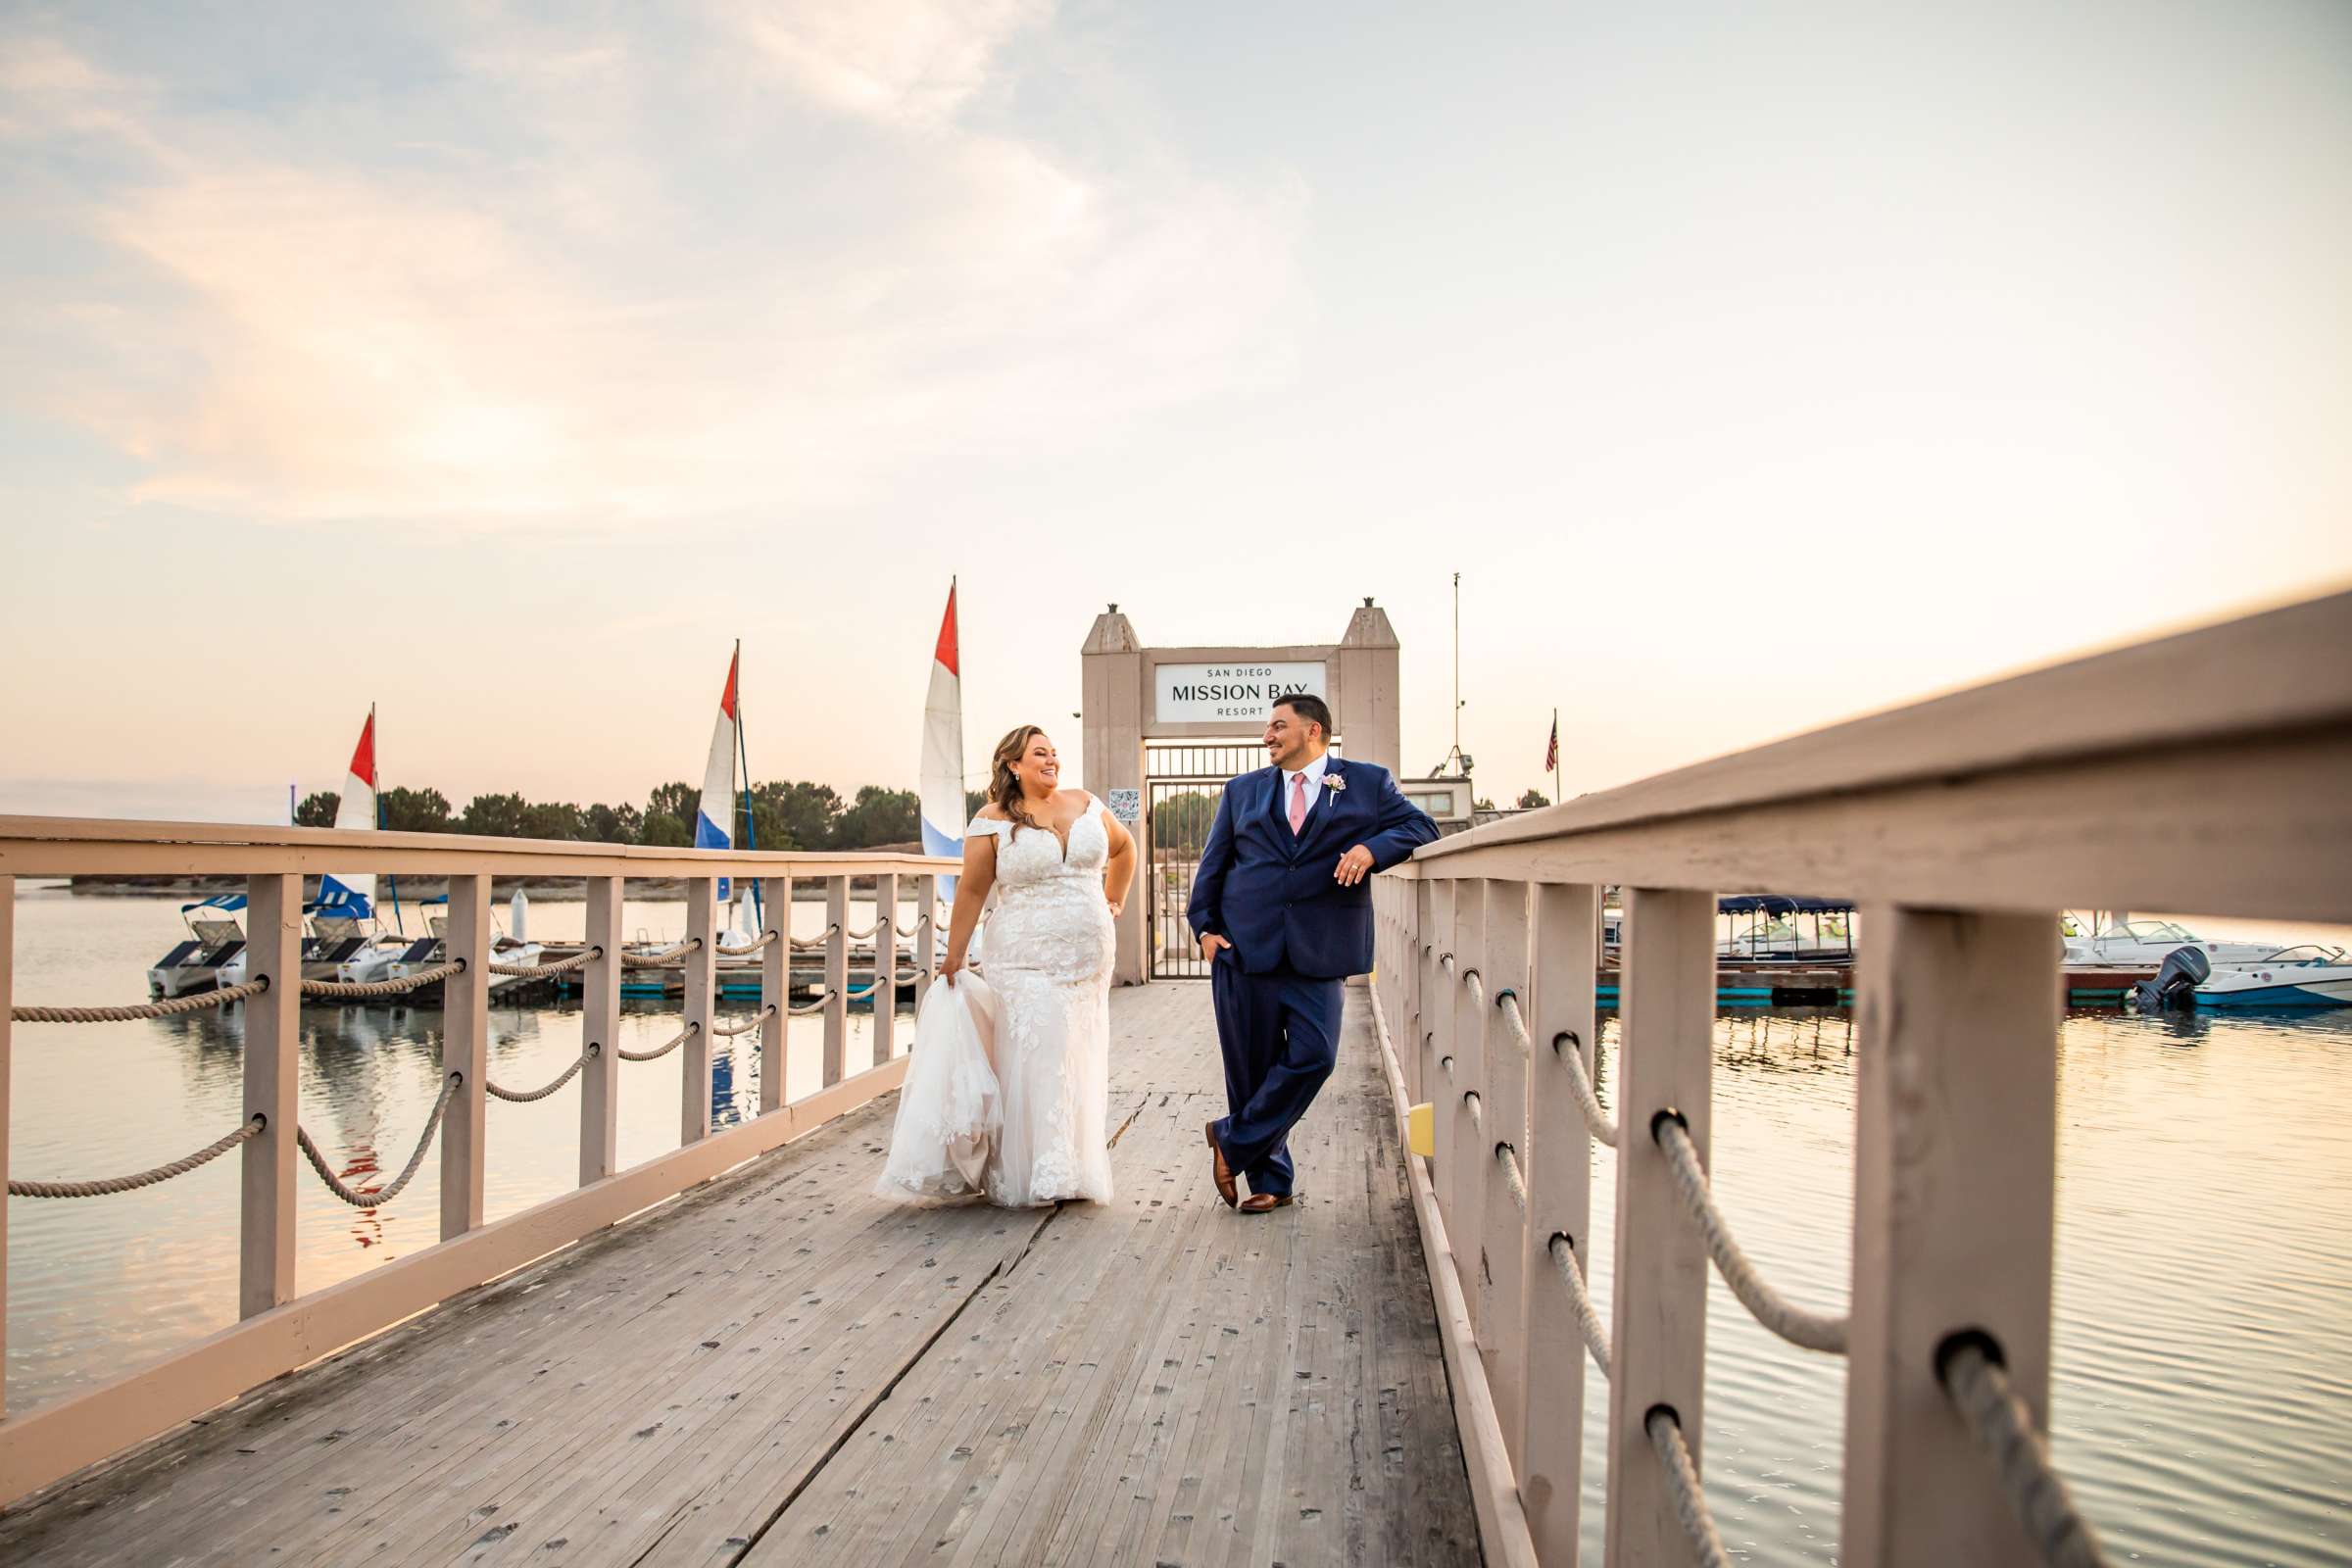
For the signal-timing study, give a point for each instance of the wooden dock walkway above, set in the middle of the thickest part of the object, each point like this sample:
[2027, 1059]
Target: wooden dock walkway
[778, 1367]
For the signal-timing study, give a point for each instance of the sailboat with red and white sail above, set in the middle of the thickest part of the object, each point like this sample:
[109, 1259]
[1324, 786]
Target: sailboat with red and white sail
[342, 938]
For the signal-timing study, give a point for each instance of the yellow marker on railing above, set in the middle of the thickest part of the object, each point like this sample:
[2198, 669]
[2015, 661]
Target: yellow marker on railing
[1421, 1130]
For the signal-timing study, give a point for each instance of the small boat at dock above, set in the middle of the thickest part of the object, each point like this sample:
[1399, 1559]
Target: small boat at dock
[2306, 976]
[215, 939]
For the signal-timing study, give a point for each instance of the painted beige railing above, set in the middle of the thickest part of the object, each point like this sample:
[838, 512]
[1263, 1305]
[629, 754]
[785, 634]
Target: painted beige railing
[282, 1327]
[2208, 772]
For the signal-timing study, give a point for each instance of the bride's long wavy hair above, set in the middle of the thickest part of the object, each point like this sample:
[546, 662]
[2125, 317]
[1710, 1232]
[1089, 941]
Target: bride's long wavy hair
[1004, 785]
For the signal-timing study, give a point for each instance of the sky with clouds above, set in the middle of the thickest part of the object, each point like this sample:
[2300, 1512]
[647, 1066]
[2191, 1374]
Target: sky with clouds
[502, 365]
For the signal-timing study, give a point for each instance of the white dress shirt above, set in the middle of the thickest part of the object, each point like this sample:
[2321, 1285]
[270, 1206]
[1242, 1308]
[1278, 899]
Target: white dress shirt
[1313, 772]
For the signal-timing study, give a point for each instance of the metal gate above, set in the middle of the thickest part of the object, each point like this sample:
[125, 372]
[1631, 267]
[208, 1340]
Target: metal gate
[1181, 786]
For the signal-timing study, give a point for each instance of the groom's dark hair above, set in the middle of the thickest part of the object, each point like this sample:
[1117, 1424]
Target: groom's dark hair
[1307, 706]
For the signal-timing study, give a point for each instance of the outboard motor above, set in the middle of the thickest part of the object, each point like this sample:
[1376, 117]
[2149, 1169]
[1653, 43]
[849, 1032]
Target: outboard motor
[2175, 986]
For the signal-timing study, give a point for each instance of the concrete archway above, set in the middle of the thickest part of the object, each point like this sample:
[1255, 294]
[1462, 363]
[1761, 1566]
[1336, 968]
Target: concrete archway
[1135, 696]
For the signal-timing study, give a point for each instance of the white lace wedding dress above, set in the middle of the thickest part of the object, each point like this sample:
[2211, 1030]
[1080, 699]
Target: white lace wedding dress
[1044, 956]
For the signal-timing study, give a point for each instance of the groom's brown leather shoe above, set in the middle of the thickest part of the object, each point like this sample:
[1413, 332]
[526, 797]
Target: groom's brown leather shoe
[1218, 1171]
[1266, 1202]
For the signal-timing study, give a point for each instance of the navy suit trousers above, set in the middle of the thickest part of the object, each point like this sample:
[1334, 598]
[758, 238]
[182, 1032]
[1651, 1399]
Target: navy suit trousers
[1281, 1033]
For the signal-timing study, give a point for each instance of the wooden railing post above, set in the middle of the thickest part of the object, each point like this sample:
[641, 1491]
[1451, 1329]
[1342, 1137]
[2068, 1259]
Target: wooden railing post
[1955, 1168]
[7, 994]
[837, 976]
[701, 1009]
[1559, 1179]
[776, 992]
[926, 935]
[465, 1051]
[600, 1025]
[1658, 1340]
[1467, 1154]
[1503, 1332]
[1406, 1019]
[272, 1090]
[1433, 907]
[885, 994]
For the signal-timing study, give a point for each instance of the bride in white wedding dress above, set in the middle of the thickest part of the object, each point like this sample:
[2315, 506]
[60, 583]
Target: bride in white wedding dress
[1060, 866]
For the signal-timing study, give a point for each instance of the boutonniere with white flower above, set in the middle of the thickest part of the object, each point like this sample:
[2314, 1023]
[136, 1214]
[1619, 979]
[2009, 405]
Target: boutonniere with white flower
[1335, 783]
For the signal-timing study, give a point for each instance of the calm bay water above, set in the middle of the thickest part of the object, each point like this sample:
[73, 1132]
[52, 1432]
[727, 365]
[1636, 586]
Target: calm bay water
[2203, 1389]
[100, 1286]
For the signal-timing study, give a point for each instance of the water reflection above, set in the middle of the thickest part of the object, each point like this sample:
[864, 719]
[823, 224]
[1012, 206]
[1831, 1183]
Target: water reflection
[99, 1285]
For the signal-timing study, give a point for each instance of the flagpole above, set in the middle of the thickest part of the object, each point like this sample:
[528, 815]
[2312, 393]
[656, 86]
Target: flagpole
[1556, 796]
[375, 741]
[743, 760]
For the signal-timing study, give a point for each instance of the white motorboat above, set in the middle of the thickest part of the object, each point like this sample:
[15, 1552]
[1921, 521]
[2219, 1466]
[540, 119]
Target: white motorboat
[2306, 976]
[514, 947]
[342, 933]
[2126, 944]
[215, 941]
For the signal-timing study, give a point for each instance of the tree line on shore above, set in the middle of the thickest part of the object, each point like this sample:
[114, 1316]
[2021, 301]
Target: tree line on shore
[785, 815]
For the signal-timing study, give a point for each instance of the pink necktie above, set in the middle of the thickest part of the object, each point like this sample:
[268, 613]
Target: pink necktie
[1297, 802]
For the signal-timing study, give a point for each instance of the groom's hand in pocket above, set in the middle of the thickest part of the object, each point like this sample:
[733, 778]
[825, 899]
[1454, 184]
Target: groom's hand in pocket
[1210, 942]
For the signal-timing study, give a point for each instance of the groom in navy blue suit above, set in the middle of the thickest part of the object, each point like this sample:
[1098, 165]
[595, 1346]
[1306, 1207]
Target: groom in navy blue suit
[1283, 913]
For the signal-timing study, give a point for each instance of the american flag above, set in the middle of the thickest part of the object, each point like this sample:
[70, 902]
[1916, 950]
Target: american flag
[1551, 753]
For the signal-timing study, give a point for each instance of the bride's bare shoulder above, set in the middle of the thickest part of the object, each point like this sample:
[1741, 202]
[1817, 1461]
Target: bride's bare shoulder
[992, 813]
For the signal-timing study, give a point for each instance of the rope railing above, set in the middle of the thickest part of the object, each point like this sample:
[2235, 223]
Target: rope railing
[1476, 1107]
[747, 1026]
[1508, 1158]
[519, 1097]
[1970, 1366]
[1979, 1387]
[376, 1200]
[136, 1011]
[1814, 1331]
[108, 1186]
[812, 944]
[871, 930]
[808, 1007]
[1596, 1120]
[540, 971]
[659, 1051]
[764, 939]
[1665, 1431]
[1587, 1317]
[666, 959]
[354, 989]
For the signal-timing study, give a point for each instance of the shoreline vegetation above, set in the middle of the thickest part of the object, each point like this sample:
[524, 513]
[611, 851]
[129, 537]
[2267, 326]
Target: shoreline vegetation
[783, 814]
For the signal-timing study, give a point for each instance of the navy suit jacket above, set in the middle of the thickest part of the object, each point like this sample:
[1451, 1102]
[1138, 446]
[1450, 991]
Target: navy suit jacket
[1271, 895]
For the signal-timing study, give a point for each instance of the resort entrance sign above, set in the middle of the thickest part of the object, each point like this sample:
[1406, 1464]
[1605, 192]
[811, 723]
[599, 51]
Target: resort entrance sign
[1167, 726]
[1241, 693]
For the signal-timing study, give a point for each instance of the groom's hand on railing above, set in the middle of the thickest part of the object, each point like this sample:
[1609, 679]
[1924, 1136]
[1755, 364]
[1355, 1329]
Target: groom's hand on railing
[1210, 942]
[1354, 867]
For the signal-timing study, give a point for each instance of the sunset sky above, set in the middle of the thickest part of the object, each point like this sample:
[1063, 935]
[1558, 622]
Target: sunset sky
[1755, 365]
